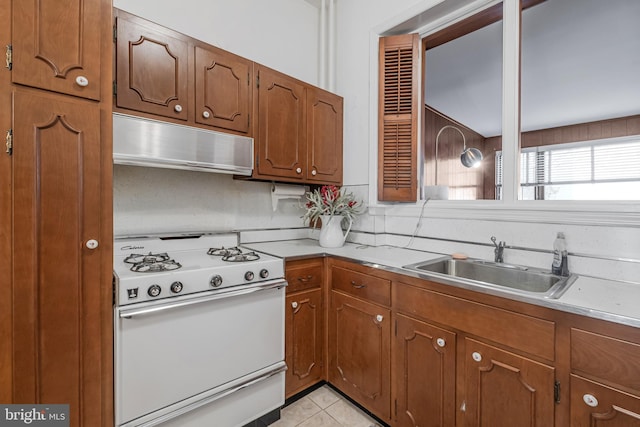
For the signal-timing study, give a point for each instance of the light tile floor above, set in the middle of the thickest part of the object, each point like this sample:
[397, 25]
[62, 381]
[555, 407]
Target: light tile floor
[323, 408]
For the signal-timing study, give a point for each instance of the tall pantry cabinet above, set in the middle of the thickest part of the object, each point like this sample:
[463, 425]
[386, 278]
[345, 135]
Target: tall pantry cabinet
[56, 198]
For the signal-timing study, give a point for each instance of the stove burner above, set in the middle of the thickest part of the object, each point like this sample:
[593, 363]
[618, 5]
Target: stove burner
[224, 252]
[233, 254]
[151, 263]
[242, 257]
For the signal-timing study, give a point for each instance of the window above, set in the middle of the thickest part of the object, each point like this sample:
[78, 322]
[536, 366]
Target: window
[593, 170]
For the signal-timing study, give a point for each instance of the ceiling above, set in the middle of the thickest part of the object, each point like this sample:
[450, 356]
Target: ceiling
[580, 63]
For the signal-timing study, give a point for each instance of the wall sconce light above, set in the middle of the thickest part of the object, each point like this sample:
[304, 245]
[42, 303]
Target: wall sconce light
[470, 157]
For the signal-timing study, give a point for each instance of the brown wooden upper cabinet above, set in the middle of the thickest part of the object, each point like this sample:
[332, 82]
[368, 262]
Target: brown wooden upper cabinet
[297, 127]
[56, 47]
[298, 130]
[165, 73]
[151, 68]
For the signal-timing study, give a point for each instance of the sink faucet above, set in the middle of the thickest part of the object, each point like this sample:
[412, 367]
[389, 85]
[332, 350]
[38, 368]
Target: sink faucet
[498, 250]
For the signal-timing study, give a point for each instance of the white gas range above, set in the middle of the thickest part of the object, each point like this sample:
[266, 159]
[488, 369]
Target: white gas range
[199, 331]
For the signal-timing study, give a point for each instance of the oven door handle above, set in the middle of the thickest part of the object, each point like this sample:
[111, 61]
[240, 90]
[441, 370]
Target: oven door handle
[129, 313]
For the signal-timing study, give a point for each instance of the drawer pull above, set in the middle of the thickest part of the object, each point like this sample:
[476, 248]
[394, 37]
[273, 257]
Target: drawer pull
[294, 305]
[355, 285]
[441, 342]
[379, 318]
[590, 400]
[305, 279]
[476, 356]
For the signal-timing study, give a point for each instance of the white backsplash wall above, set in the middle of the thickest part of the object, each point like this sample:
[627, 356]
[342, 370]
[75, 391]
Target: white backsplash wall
[156, 200]
[611, 252]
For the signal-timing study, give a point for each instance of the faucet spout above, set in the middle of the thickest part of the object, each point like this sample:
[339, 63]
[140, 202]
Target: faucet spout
[499, 250]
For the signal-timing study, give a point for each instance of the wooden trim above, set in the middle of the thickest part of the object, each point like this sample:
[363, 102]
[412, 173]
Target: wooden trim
[470, 24]
[106, 220]
[6, 286]
[399, 68]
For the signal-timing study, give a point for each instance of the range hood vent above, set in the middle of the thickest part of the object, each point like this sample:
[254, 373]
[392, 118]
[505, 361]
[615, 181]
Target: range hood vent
[144, 142]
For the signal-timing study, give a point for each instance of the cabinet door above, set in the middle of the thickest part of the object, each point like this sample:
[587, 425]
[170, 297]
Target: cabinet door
[281, 146]
[222, 89]
[303, 340]
[425, 368]
[596, 405]
[506, 390]
[56, 45]
[57, 272]
[359, 352]
[151, 68]
[324, 136]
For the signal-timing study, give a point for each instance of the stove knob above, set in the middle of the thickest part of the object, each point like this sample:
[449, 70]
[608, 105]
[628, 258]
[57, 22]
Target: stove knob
[154, 291]
[176, 287]
[216, 281]
[248, 275]
[264, 273]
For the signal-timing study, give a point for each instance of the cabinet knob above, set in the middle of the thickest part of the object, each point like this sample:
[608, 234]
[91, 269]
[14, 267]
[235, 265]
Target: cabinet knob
[178, 108]
[294, 305]
[298, 170]
[441, 342]
[590, 400]
[314, 172]
[379, 318]
[91, 244]
[206, 114]
[82, 81]
[305, 279]
[476, 356]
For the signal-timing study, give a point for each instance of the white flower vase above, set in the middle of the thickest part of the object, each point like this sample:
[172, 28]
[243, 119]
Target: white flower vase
[331, 234]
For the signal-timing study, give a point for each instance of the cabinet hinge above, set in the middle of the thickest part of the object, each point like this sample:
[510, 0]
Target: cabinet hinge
[556, 391]
[115, 88]
[9, 141]
[9, 57]
[396, 329]
[258, 82]
[395, 404]
[115, 33]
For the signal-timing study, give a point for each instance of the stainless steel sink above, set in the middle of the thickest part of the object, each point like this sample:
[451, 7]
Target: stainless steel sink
[513, 278]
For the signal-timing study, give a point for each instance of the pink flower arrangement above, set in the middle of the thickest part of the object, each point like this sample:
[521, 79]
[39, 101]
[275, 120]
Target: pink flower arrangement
[330, 200]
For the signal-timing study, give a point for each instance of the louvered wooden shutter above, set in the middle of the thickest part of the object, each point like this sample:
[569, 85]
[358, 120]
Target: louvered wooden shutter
[398, 118]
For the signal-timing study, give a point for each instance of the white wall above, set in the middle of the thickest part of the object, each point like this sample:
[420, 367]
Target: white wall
[281, 34]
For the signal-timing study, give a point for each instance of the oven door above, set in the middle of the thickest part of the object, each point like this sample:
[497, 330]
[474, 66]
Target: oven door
[171, 354]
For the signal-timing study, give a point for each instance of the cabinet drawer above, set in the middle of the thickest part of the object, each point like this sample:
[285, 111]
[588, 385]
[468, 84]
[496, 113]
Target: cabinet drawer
[609, 359]
[519, 331]
[303, 274]
[361, 285]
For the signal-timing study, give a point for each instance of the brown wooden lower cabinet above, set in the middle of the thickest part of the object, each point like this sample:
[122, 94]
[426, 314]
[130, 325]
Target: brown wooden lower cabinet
[304, 324]
[503, 389]
[303, 340]
[58, 277]
[596, 405]
[418, 353]
[425, 374]
[359, 352]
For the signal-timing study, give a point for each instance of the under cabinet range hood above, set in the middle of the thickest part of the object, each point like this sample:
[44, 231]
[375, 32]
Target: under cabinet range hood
[145, 142]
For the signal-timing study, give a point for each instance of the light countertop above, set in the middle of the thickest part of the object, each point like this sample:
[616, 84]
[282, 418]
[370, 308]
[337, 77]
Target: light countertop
[599, 298]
